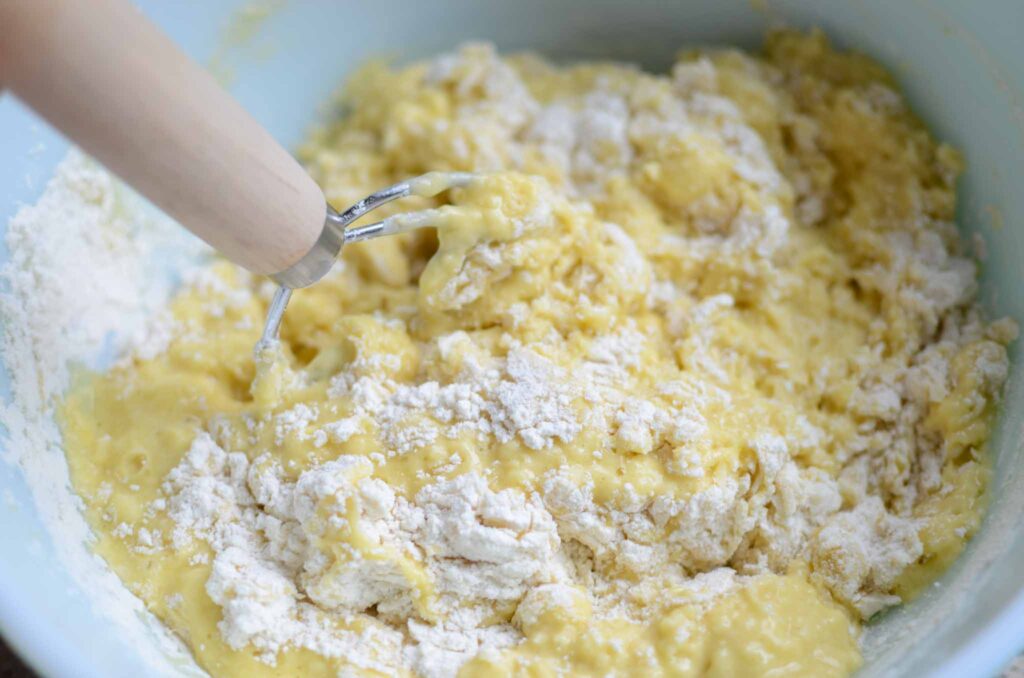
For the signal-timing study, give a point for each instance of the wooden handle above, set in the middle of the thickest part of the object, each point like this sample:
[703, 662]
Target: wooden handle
[118, 87]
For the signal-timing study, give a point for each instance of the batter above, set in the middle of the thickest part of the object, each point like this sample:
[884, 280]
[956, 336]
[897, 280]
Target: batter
[690, 381]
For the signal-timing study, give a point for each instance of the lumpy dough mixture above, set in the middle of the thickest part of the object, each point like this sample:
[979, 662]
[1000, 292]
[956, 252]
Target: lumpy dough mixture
[690, 381]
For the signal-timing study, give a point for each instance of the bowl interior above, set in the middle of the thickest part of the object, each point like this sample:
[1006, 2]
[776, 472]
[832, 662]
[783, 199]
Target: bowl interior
[961, 67]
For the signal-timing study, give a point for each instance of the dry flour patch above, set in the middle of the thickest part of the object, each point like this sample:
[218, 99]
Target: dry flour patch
[77, 276]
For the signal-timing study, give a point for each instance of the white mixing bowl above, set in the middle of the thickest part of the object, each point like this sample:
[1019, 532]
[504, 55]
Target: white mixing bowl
[960, 63]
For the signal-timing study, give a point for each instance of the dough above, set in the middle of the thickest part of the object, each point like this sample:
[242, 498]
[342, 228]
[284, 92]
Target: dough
[690, 381]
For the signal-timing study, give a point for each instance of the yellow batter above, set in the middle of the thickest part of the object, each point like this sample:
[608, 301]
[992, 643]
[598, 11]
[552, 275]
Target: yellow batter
[698, 351]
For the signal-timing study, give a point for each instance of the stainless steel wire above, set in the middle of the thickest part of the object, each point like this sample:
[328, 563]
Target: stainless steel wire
[337, 234]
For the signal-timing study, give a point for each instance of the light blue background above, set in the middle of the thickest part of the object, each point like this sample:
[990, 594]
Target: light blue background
[961, 64]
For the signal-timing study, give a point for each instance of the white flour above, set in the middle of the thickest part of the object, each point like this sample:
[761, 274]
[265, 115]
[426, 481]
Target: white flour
[78, 273]
[523, 396]
[480, 548]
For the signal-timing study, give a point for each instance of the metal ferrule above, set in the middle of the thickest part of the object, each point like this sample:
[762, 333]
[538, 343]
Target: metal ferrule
[318, 260]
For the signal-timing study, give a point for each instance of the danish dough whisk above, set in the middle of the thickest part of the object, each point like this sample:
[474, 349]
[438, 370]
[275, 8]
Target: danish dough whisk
[110, 81]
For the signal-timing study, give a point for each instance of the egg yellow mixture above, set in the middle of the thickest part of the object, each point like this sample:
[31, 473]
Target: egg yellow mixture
[689, 381]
